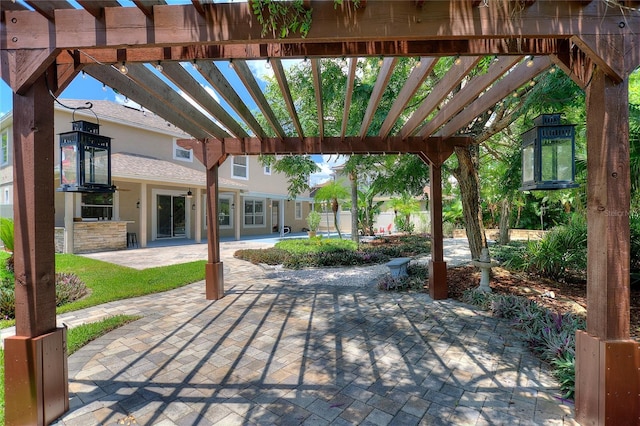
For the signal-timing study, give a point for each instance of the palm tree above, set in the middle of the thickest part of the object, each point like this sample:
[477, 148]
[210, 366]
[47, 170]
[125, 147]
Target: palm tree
[406, 205]
[334, 192]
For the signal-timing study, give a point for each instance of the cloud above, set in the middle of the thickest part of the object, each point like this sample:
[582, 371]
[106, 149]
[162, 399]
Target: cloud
[326, 164]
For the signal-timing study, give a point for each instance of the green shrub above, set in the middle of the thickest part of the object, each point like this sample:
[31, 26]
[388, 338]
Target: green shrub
[562, 252]
[417, 275]
[7, 303]
[315, 245]
[270, 256]
[69, 288]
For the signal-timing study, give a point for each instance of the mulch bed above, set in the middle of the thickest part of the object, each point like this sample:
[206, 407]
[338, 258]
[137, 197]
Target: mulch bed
[568, 296]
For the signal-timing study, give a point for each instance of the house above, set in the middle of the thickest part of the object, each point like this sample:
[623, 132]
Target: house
[160, 187]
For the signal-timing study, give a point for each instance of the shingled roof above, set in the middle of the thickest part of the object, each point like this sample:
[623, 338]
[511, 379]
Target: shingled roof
[140, 167]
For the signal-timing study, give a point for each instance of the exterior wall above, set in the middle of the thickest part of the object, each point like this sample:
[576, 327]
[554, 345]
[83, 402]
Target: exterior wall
[139, 133]
[94, 236]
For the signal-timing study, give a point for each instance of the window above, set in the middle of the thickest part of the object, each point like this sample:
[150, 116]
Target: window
[254, 213]
[224, 212]
[7, 196]
[267, 170]
[4, 148]
[240, 167]
[182, 154]
[97, 206]
[298, 210]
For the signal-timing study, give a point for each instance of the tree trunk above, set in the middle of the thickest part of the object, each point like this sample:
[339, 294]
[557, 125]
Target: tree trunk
[354, 207]
[335, 208]
[504, 221]
[467, 175]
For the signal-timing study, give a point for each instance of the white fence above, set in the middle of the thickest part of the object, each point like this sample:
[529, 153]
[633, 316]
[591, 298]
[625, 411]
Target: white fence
[420, 220]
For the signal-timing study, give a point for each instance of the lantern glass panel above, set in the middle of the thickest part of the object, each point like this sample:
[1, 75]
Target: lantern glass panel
[557, 160]
[96, 167]
[527, 163]
[69, 165]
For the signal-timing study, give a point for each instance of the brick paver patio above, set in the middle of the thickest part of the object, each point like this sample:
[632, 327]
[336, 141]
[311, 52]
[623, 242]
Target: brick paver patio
[273, 352]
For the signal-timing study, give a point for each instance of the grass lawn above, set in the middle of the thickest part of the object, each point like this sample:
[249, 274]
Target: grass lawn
[108, 282]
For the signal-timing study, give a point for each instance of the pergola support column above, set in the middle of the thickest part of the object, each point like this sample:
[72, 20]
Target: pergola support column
[438, 286]
[36, 383]
[607, 359]
[214, 269]
[211, 154]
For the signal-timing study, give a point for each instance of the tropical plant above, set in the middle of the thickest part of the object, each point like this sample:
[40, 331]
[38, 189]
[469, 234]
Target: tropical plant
[7, 238]
[368, 210]
[313, 220]
[333, 192]
[403, 207]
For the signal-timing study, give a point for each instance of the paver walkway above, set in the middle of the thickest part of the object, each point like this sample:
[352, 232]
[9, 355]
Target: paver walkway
[271, 352]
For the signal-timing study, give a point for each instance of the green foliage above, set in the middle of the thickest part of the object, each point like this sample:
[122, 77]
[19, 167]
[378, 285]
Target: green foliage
[479, 298]
[404, 225]
[561, 254]
[452, 213]
[79, 336]
[7, 302]
[313, 220]
[282, 18]
[318, 251]
[7, 233]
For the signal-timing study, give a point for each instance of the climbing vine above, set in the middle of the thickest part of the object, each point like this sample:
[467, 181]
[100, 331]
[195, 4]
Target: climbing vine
[282, 18]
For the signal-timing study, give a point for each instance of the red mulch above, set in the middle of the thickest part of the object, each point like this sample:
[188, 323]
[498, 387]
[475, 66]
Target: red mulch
[569, 296]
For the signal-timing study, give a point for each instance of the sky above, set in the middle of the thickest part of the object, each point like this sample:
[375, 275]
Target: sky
[85, 87]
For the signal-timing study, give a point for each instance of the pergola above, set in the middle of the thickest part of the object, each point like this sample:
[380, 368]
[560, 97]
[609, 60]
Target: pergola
[597, 43]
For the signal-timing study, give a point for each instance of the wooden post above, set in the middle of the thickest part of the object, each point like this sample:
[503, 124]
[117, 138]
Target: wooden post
[214, 268]
[607, 360]
[438, 287]
[36, 385]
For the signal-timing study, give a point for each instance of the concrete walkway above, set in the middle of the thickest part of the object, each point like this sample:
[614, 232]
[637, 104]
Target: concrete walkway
[272, 352]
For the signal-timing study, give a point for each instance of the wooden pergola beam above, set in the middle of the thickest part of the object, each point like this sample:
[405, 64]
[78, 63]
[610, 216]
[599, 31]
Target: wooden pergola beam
[468, 93]
[384, 75]
[348, 95]
[419, 73]
[250, 83]
[131, 90]
[172, 100]
[317, 84]
[337, 145]
[436, 20]
[181, 78]
[278, 71]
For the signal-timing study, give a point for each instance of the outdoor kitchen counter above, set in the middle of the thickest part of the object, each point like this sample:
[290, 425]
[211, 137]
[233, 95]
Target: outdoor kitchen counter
[97, 235]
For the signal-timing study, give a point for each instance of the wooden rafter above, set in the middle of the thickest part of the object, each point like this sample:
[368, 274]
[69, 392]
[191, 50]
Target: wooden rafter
[278, 71]
[250, 83]
[181, 78]
[353, 63]
[212, 74]
[47, 7]
[317, 84]
[415, 79]
[384, 75]
[451, 79]
[503, 88]
[145, 78]
[96, 7]
[468, 93]
[113, 78]
[146, 6]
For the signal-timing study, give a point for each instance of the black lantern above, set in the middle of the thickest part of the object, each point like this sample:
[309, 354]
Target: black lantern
[548, 151]
[85, 159]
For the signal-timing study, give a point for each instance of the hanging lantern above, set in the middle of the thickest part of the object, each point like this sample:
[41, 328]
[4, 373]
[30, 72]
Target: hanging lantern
[85, 159]
[548, 152]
